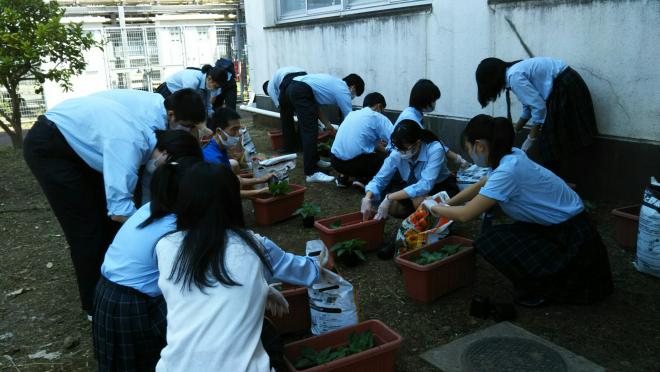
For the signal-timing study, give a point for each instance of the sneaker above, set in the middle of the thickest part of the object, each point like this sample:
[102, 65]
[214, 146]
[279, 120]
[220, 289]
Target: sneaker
[342, 181]
[358, 185]
[319, 177]
[323, 164]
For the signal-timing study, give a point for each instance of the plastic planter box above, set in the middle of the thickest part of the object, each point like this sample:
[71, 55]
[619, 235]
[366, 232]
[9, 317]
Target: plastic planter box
[626, 225]
[351, 227]
[380, 358]
[298, 319]
[276, 139]
[272, 209]
[425, 283]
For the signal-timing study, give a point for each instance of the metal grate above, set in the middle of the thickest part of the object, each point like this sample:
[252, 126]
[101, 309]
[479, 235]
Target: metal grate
[32, 104]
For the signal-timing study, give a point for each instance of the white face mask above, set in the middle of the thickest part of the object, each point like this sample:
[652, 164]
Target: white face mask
[153, 163]
[408, 154]
[230, 141]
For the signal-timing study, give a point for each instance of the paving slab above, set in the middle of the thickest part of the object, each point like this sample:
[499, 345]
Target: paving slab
[505, 347]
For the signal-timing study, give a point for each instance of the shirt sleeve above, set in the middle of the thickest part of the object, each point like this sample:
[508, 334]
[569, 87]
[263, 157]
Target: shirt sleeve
[437, 160]
[530, 98]
[386, 129]
[345, 103]
[383, 177]
[121, 161]
[499, 186]
[288, 267]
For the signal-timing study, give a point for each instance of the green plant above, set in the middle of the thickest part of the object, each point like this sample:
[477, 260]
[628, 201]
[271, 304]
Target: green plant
[357, 343]
[336, 224]
[323, 147]
[426, 257]
[279, 188]
[353, 246]
[309, 210]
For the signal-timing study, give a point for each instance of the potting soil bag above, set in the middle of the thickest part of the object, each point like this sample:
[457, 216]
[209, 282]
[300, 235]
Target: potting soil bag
[470, 175]
[331, 303]
[280, 166]
[648, 237]
[421, 228]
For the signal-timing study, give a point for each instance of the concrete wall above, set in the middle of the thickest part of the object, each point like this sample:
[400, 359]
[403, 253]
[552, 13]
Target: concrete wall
[612, 44]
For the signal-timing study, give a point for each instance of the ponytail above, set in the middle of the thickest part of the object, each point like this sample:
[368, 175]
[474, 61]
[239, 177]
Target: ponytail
[409, 132]
[497, 132]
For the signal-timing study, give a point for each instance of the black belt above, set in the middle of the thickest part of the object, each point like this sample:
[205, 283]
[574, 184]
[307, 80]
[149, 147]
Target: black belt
[288, 78]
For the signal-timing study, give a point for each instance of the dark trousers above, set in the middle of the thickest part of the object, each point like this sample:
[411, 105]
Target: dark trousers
[227, 97]
[304, 104]
[76, 194]
[364, 166]
[291, 139]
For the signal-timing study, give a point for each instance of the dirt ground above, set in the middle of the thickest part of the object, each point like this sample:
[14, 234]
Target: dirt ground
[44, 320]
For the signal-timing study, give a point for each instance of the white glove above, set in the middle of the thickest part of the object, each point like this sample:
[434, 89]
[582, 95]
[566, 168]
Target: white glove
[366, 209]
[429, 203]
[276, 304]
[528, 143]
[383, 209]
[462, 163]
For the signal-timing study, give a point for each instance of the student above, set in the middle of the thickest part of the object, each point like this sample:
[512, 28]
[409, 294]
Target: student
[306, 93]
[276, 89]
[423, 97]
[359, 149]
[554, 97]
[420, 161]
[129, 310]
[553, 251]
[212, 275]
[86, 152]
[227, 130]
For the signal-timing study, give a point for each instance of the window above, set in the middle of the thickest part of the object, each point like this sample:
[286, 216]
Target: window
[292, 10]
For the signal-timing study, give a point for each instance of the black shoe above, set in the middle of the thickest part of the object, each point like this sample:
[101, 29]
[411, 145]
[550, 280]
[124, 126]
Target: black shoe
[530, 300]
[342, 181]
[386, 251]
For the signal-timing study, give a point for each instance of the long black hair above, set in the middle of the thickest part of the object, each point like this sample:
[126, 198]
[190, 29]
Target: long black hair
[409, 132]
[498, 132]
[491, 79]
[177, 143]
[218, 72]
[207, 214]
[164, 187]
[423, 94]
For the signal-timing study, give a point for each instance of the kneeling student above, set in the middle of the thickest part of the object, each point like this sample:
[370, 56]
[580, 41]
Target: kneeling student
[359, 149]
[553, 251]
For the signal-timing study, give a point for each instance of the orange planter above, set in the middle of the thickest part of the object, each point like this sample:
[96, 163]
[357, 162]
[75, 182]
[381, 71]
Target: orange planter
[276, 139]
[298, 319]
[272, 209]
[351, 227]
[425, 283]
[380, 358]
[626, 225]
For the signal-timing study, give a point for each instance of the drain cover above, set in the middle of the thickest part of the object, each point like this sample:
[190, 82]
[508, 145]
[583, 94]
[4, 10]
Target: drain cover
[508, 354]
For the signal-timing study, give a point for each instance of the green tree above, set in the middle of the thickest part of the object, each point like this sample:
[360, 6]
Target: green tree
[35, 44]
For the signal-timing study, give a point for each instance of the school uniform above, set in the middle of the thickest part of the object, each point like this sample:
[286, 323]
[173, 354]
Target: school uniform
[425, 175]
[85, 153]
[306, 93]
[554, 96]
[277, 86]
[353, 151]
[553, 249]
[129, 310]
[189, 78]
[411, 113]
[219, 328]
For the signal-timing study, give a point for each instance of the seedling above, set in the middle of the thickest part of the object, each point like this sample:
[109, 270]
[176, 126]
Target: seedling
[351, 247]
[279, 188]
[426, 257]
[309, 210]
[357, 343]
[336, 224]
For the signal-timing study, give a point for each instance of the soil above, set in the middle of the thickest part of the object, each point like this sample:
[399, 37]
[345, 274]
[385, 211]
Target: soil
[622, 333]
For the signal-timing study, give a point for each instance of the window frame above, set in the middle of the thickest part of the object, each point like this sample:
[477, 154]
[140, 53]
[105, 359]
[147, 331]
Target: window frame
[344, 9]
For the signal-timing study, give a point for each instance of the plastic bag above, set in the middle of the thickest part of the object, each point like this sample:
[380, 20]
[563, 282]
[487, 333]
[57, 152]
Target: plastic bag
[331, 303]
[280, 166]
[648, 237]
[470, 175]
[421, 228]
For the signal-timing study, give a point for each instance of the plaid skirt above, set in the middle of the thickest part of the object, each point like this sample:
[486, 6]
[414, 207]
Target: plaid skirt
[129, 328]
[570, 122]
[566, 262]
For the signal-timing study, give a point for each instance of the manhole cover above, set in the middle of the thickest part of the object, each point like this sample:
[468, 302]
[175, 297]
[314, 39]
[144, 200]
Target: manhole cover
[506, 354]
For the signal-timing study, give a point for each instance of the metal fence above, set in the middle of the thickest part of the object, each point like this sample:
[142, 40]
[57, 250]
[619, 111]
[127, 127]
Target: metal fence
[141, 57]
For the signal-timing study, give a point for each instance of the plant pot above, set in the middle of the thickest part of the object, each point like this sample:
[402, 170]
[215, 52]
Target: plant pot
[272, 209]
[276, 139]
[425, 283]
[308, 221]
[349, 259]
[626, 225]
[298, 319]
[380, 358]
[351, 227]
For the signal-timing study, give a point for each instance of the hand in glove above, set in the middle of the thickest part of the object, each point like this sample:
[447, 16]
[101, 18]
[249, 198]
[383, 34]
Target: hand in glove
[462, 163]
[383, 208]
[528, 143]
[428, 204]
[366, 209]
[276, 304]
